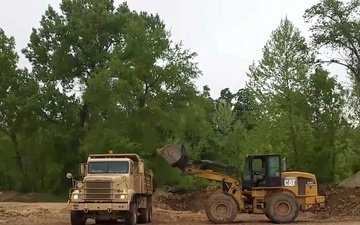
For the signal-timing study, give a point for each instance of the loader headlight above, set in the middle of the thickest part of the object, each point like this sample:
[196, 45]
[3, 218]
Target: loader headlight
[75, 196]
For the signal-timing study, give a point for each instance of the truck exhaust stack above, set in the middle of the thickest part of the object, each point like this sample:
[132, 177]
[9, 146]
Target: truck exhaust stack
[175, 155]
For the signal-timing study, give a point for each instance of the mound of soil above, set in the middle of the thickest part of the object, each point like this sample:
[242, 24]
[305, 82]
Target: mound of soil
[353, 181]
[343, 199]
[193, 201]
[182, 202]
[340, 201]
[7, 196]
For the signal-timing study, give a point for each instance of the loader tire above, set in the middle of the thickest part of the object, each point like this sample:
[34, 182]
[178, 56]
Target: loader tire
[77, 218]
[221, 208]
[282, 208]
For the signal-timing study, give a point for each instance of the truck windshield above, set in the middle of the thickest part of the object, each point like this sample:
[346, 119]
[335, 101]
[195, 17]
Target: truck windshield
[108, 167]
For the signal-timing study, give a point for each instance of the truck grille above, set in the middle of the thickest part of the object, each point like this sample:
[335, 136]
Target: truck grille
[98, 190]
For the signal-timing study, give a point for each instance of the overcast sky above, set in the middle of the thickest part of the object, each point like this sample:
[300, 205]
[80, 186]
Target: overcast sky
[227, 35]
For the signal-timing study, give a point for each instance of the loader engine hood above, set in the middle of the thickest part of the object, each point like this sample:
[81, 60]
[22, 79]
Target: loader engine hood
[298, 174]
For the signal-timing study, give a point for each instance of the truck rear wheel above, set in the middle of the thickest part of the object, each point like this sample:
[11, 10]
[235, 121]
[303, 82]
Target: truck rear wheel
[131, 215]
[150, 209]
[221, 208]
[282, 208]
[146, 213]
[77, 218]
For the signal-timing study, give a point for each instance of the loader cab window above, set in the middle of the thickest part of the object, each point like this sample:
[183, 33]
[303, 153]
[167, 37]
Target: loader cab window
[274, 166]
[246, 174]
[254, 172]
[258, 165]
[262, 171]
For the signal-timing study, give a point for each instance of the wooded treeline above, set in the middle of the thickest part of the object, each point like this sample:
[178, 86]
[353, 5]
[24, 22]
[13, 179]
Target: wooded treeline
[106, 77]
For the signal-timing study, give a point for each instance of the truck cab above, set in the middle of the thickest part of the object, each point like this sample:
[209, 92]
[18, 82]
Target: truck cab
[114, 186]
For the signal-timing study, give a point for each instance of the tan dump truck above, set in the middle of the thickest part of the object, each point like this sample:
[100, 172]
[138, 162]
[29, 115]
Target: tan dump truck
[114, 186]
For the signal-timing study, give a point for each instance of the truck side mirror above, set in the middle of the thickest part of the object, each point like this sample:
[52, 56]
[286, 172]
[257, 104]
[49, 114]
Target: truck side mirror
[141, 167]
[82, 169]
[69, 176]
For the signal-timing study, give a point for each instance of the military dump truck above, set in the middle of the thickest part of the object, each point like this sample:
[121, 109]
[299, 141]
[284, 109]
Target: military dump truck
[114, 186]
[265, 186]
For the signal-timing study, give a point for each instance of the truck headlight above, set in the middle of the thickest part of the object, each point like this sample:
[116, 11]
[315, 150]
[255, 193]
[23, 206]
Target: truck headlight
[121, 196]
[75, 195]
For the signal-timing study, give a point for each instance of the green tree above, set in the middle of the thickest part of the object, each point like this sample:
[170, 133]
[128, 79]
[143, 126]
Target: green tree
[326, 99]
[18, 99]
[111, 76]
[278, 84]
[335, 26]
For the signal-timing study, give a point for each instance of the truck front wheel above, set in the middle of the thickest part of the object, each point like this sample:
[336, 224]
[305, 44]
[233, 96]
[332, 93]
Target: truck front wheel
[77, 218]
[131, 215]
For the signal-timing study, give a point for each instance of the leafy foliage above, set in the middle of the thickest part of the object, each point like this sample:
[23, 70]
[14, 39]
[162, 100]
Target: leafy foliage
[106, 77]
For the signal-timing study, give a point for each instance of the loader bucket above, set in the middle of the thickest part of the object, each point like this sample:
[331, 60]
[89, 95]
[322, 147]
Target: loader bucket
[175, 155]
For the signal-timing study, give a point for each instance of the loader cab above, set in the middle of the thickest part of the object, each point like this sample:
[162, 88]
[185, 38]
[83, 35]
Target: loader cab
[262, 171]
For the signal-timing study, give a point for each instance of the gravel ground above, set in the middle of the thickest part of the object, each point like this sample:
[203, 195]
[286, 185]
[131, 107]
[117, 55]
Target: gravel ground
[14, 213]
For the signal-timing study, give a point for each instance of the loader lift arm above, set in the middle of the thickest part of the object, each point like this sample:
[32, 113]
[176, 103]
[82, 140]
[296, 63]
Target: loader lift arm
[211, 175]
[176, 156]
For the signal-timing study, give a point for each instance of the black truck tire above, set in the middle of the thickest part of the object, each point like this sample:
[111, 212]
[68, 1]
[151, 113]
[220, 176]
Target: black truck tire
[131, 215]
[221, 208]
[282, 208]
[77, 218]
[146, 213]
[150, 209]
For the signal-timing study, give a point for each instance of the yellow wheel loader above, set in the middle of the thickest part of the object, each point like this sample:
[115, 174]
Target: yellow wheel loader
[265, 188]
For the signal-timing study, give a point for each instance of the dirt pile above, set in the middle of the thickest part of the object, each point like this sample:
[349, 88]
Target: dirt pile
[353, 181]
[7, 196]
[343, 199]
[193, 201]
[182, 202]
[340, 201]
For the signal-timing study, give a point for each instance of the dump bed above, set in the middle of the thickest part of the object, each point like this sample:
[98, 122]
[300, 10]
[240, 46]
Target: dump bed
[147, 183]
[143, 182]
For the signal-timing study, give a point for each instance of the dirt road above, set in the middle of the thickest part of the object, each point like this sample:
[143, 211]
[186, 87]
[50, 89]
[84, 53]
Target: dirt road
[13, 213]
